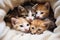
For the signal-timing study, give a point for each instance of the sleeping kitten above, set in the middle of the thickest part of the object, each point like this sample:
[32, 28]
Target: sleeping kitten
[39, 26]
[42, 10]
[20, 24]
[28, 13]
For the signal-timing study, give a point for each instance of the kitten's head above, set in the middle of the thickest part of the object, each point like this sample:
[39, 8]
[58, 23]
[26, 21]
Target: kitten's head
[42, 10]
[26, 13]
[22, 11]
[31, 15]
[38, 26]
[20, 24]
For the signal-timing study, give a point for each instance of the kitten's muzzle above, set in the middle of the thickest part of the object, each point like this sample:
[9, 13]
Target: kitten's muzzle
[39, 17]
[26, 30]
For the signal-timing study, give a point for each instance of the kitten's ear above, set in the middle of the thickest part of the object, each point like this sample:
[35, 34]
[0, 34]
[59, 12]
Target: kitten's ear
[13, 21]
[47, 22]
[34, 7]
[47, 5]
[20, 8]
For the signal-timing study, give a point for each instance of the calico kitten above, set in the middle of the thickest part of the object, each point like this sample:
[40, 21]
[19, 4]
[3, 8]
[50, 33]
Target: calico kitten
[39, 26]
[28, 13]
[22, 11]
[20, 24]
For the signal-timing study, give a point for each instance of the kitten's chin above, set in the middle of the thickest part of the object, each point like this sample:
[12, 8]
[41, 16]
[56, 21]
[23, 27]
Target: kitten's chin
[33, 33]
[40, 18]
[36, 33]
[27, 31]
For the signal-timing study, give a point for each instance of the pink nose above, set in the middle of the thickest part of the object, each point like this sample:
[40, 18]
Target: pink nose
[37, 17]
[30, 19]
[26, 30]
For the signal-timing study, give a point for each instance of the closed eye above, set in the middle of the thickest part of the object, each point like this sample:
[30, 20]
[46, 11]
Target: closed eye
[39, 29]
[26, 15]
[21, 15]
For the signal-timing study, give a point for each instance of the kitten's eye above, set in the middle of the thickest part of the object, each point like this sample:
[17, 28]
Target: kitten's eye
[26, 15]
[32, 27]
[27, 24]
[39, 29]
[41, 12]
[21, 25]
[36, 12]
[32, 14]
[21, 15]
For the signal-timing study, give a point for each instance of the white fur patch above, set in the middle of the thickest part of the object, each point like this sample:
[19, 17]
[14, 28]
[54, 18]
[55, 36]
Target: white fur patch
[30, 16]
[39, 14]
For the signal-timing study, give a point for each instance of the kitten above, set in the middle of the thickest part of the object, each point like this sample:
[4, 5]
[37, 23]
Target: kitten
[10, 14]
[22, 11]
[39, 26]
[20, 24]
[42, 10]
[28, 13]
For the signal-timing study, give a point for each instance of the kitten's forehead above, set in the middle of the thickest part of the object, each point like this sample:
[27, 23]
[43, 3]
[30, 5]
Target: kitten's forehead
[41, 7]
[37, 22]
[22, 20]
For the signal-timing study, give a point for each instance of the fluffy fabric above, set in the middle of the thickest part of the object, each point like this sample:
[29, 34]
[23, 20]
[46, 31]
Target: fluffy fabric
[2, 27]
[58, 21]
[57, 12]
[2, 14]
[57, 30]
[9, 34]
[43, 36]
[55, 36]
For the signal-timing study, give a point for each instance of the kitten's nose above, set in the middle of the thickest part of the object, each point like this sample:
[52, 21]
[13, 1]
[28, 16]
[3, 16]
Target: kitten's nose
[30, 20]
[37, 17]
[26, 30]
[34, 33]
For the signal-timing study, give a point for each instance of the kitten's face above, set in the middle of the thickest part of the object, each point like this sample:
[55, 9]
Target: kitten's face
[42, 10]
[31, 15]
[27, 13]
[20, 24]
[38, 26]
